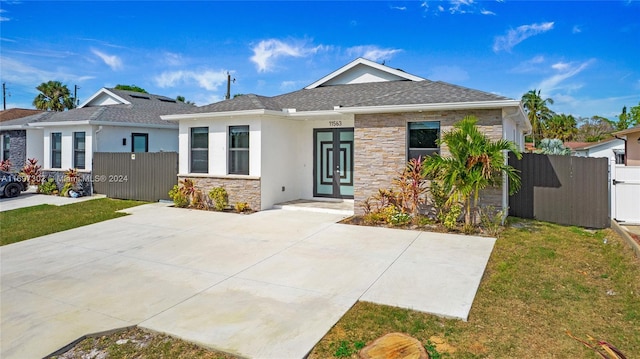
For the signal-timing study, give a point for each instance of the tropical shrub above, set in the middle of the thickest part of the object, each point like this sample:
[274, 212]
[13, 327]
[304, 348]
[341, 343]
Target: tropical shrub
[48, 187]
[220, 198]
[412, 186]
[32, 172]
[552, 146]
[179, 199]
[475, 163]
[5, 165]
[242, 207]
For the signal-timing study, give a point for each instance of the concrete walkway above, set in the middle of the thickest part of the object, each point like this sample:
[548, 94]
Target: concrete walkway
[266, 285]
[31, 198]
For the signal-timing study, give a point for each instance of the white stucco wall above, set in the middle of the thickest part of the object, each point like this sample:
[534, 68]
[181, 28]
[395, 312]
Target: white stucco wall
[603, 150]
[67, 146]
[282, 164]
[109, 139]
[218, 144]
[35, 145]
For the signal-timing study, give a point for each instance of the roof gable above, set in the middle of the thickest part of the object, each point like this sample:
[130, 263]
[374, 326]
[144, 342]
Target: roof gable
[104, 97]
[362, 71]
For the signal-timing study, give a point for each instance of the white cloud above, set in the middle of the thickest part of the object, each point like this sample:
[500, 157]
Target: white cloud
[564, 71]
[3, 18]
[576, 29]
[372, 52]
[487, 12]
[401, 8]
[529, 65]
[113, 61]
[266, 52]
[207, 79]
[288, 85]
[521, 33]
[172, 59]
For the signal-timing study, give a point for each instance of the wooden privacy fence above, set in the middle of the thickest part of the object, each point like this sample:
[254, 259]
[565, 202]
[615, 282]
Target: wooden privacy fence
[567, 190]
[138, 176]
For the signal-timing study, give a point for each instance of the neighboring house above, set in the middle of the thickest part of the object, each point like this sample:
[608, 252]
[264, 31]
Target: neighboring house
[16, 137]
[612, 148]
[109, 121]
[343, 137]
[631, 137]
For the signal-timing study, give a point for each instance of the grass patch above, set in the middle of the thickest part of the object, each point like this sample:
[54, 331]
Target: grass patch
[138, 343]
[31, 222]
[541, 280]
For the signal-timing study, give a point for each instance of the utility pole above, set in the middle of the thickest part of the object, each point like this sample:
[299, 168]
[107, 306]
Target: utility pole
[228, 95]
[4, 95]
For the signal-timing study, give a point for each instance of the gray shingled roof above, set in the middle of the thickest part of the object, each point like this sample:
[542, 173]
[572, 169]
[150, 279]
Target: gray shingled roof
[355, 95]
[145, 109]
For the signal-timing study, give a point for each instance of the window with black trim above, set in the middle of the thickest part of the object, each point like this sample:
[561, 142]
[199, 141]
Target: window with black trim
[6, 146]
[239, 150]
[139, 142]
[56, 150]
[78, 150]
[423, 139]
[199, 150]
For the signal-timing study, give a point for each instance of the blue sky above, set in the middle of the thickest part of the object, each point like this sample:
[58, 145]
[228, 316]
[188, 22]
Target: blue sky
[585, 55]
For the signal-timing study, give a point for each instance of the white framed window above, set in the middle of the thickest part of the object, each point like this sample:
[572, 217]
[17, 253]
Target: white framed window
[239, 150]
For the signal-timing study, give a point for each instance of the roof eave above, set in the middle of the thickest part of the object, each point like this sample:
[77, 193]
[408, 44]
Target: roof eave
[101, 123]
[225, 114]
[428, 107]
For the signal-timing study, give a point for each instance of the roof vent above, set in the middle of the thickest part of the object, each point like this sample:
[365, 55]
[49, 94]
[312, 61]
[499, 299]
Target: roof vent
[167, 100]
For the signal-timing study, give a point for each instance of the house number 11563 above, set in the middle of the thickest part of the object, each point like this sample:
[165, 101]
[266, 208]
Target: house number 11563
[335, 123]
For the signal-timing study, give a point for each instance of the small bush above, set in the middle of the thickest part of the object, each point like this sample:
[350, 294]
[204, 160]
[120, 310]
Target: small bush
[178, 197]
[48, 187]
[491, 219]
[220, 198]
[242, 207]
[451, 216]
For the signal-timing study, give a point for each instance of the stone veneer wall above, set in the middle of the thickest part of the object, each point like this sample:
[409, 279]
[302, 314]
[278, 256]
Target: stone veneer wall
[239, 189]
[17, 148]
[380, 147]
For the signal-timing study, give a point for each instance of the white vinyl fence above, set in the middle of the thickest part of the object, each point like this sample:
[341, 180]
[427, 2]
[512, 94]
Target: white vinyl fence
[625, 193]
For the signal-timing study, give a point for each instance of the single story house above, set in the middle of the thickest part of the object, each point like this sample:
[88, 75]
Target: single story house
[16, 137]
[110, 120]
[631, 137]
[611, 148]
[342, 137]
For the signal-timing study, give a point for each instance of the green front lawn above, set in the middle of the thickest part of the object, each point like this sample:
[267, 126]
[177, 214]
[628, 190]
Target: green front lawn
[30, 222]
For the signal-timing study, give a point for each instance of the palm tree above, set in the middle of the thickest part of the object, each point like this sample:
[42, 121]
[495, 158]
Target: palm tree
[475, 163]
[537, 111]
[562, 127]
[53, 96]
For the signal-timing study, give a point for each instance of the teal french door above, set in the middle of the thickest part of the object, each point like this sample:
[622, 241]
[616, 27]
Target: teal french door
[333, 162]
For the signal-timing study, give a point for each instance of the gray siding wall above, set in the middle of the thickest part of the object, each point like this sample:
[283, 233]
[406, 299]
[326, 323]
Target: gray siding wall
[18, 149]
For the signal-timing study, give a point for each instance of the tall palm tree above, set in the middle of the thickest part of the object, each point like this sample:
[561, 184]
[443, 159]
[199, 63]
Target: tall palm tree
[475, 163]
[53, 96]
[537, 111]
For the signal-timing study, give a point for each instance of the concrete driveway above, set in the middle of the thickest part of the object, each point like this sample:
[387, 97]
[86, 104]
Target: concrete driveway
[266, 285]
[31, 198]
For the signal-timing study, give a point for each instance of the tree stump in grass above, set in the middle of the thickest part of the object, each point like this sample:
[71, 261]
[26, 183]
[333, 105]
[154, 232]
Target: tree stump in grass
[394, 346]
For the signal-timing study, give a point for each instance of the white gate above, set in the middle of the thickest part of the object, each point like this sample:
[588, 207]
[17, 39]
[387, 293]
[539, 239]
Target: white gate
[625, 193]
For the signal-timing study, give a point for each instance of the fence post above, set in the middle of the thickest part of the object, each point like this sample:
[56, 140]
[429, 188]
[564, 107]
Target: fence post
[612, 188]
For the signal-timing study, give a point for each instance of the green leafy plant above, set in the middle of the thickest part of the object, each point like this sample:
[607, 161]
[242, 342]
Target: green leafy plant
[602, 348]
[179, 199]
[432, 351]
[48, 187]
[220, 198]
[345, 349]
[491, 219]
[451, 216]
[32, 172]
